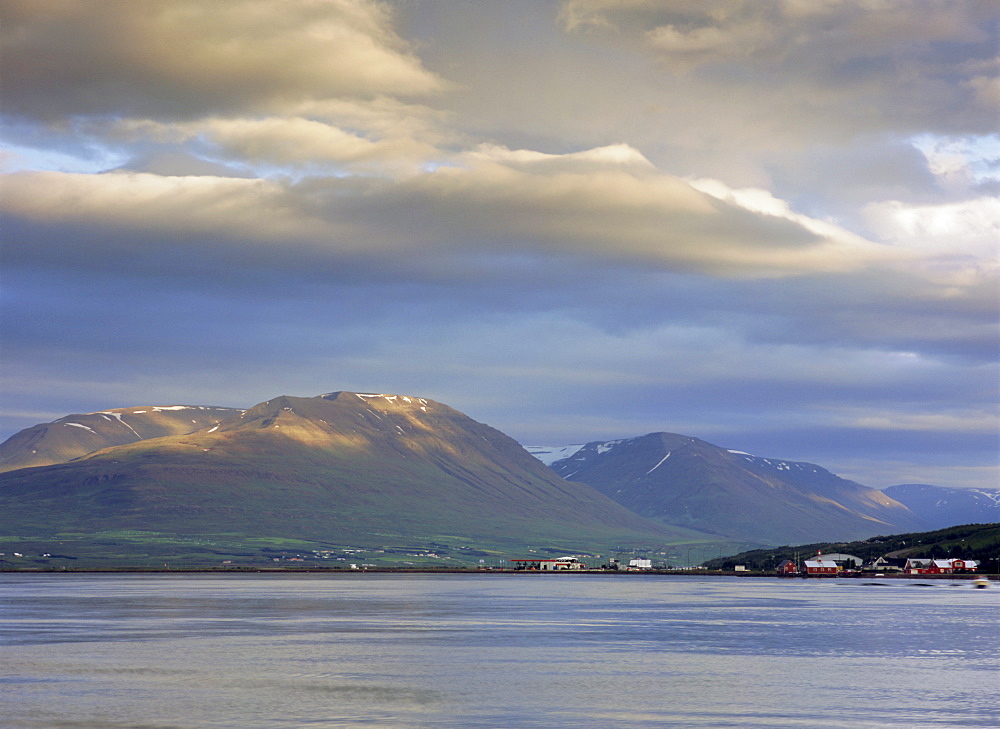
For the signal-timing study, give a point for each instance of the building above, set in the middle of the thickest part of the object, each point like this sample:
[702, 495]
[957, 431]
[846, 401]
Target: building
[964, 565]
[549, 565]
[788, 567]
[917, 566]
[821, 567]
[847, 561]
[948, 566]
[888, 564]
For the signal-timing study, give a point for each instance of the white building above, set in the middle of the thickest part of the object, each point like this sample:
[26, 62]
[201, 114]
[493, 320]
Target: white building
[561, 563]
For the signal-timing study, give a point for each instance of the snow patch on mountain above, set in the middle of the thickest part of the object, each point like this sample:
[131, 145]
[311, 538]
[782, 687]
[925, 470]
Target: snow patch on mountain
[605, 447]
[777, 464]
[80, 425]
[550, 454]
[993, 496]
[659, 463]
[943, 506]
[366, 396]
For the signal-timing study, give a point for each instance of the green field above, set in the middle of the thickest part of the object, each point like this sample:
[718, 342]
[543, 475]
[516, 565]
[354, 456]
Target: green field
[144, 550]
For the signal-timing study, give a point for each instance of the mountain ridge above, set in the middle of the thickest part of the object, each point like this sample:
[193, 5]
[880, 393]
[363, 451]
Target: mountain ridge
[342, 467]
[76, 435]
[683, 480]
[942, 506]
[348, 454]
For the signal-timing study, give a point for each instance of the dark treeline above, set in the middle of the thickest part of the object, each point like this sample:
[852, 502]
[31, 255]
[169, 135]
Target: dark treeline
[980, 542]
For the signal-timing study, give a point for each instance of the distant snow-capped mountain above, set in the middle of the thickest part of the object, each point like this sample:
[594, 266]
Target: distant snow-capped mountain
[942, 507]
[684, 481]
[550, 454]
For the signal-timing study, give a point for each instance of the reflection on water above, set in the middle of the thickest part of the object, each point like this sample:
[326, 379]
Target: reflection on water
[493, 650]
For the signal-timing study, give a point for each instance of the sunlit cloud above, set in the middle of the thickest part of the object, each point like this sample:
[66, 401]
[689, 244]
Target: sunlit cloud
[963, 161]
[956, 241]
[185, 58]
[606, 203]
[969, 422]
[291, 142]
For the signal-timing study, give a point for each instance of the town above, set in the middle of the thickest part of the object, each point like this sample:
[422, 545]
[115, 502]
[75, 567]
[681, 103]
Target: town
[841, 564]
[823, 565]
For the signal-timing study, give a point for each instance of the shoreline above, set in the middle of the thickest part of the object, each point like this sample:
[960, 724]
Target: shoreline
[477, 571]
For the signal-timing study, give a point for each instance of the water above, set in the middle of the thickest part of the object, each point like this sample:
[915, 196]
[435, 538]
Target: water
[493, 651]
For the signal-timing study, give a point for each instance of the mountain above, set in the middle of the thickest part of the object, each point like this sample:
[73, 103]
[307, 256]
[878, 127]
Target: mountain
[683, 481]
[77, 435]
[343, 468]
[944, 507]
[550, 454]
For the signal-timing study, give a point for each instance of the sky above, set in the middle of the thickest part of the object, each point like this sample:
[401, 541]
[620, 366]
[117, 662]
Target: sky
[769, 224]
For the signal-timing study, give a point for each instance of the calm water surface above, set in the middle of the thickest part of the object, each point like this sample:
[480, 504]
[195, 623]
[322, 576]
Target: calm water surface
[493, 650]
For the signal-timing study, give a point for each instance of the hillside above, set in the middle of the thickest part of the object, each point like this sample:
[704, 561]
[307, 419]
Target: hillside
[77, 435]
[980, 542]
[341, 468]
[683, 481]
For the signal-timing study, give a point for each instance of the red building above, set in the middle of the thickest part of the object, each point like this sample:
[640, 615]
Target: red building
[964, 565]
[940, 566]
[821, 567]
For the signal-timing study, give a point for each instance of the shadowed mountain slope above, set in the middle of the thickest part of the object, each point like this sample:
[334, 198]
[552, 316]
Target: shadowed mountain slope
[684, 481]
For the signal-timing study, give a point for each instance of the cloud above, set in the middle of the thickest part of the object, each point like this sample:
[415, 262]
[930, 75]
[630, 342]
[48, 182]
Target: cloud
[966, 230]
[579, 15]
[287, 142]
[613, 156]
[608, 204]
[188, 58]
[317, 85]
[925, 468]
[177, 208]
[882, 65]
[956, 243]
[701, 45]
[971, 422]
